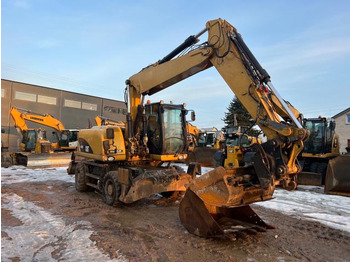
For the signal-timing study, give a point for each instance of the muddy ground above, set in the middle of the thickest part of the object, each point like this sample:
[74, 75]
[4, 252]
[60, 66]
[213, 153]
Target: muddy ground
[150, 230]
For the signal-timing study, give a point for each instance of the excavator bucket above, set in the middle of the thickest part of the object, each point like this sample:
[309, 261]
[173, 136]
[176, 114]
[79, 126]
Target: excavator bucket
[338, 176]
[210, 208]
[59, 159]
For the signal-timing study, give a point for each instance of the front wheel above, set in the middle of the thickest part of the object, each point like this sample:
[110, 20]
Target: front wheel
[80, 177]
[111, 189]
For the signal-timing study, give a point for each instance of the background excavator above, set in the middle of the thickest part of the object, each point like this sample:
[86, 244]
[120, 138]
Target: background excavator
[128, 164]
[237, 145]
[36, 149]
[209, 141]
[104, 121]
[192, 136]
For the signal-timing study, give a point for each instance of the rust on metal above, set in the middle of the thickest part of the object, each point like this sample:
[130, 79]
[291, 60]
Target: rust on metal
[216, 205]
[338, 176]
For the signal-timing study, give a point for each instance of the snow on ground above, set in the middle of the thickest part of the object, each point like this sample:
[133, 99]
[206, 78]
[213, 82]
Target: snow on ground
[41, 232]
[19, 174]
[310, 203]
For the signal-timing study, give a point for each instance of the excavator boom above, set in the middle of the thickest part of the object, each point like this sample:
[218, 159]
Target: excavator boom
[273, 163]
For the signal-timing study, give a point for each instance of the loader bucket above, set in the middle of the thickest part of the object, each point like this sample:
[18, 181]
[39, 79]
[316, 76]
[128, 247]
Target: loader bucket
[60, 159]
[309, 178]
[211, 208]
[338, 176]
[203, 156]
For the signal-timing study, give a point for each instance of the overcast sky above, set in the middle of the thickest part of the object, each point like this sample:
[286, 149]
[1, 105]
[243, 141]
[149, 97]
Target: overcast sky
[92, 47]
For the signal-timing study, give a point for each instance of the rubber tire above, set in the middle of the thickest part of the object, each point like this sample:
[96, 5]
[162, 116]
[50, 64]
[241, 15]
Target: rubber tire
[80, 178]
[179, 169]
[175, 195]
[111, 189]
[322, 168]
[314, 167]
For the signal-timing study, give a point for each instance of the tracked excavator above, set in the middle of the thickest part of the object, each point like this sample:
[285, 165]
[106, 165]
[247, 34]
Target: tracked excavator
[127, 165]
[36, 149]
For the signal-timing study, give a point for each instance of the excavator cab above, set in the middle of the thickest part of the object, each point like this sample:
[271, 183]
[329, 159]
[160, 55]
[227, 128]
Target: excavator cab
[321, 134]
[68, 139]
[35, 140]
[166, 129]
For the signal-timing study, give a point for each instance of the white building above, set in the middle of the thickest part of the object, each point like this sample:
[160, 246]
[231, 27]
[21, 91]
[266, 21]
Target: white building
[342, 128]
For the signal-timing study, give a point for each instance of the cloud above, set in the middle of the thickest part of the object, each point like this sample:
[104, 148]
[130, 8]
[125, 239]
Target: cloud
[322, 43]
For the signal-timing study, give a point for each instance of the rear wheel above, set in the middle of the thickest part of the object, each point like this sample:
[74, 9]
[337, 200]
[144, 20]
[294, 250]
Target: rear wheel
[314, 167]
[80, 177]
[322, 169]
[111, 189]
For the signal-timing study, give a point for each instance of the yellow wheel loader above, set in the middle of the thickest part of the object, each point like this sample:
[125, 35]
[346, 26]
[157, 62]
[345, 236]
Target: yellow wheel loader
[126, 165]
[321, 160]
[209, 142]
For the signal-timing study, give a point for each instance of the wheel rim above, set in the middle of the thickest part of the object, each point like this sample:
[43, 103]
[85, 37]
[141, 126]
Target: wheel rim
[109, 189]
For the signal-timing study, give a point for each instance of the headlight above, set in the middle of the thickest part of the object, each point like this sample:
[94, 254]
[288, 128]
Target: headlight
[110, 158]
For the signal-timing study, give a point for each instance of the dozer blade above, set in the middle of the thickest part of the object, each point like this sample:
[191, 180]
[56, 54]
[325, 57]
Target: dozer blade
[44, 160]
[338, 176]
[212, 208]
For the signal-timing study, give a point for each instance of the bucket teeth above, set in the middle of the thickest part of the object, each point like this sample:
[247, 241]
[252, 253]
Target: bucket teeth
[207, 209]
[227, 222]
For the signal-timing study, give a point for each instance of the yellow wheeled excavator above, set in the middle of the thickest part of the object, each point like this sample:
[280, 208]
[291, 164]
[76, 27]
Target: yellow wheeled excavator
[37, 149]
[237, 148]
[126, 164]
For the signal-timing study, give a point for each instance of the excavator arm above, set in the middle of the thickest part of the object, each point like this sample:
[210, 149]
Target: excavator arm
[21, 115]
[227, 52]
[226, 193]
[104, 121]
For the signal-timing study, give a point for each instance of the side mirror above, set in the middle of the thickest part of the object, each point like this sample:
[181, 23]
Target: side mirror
[110, 133]
[193, 116]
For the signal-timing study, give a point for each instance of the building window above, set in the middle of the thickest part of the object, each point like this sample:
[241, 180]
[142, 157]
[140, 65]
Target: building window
[88, 106]
[348, 119]
[47, 100]
[25, 96]
[2, 92]
[72, 103]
